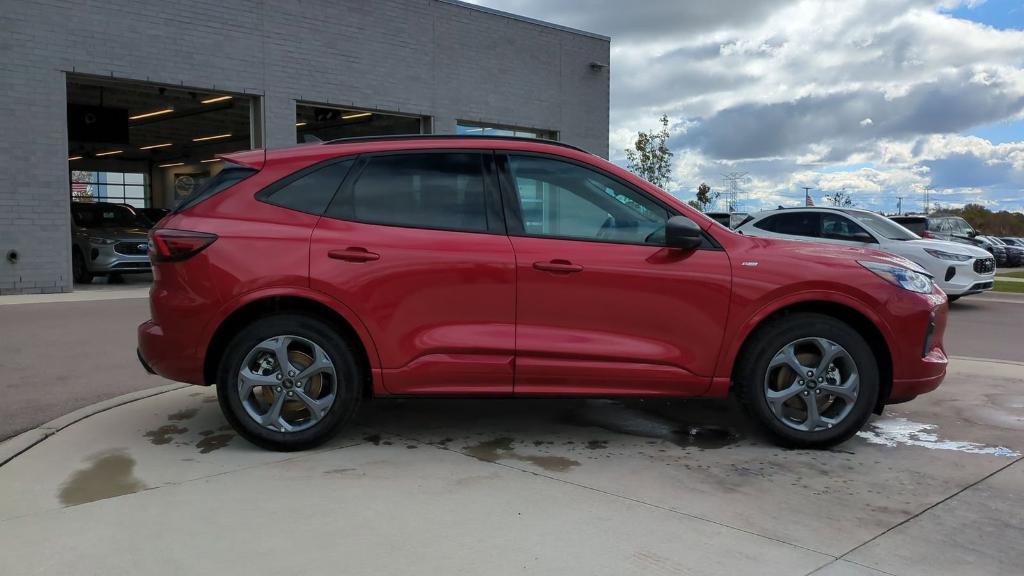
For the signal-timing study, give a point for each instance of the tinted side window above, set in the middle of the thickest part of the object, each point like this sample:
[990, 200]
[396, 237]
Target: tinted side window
[794, 224]
[562, 199]
[433, 190]
[312, 191]
[836, 227]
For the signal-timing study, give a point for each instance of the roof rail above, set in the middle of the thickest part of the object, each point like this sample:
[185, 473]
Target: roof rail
[453, 137]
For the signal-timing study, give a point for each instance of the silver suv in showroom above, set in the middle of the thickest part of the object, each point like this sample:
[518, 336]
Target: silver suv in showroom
[106, 240]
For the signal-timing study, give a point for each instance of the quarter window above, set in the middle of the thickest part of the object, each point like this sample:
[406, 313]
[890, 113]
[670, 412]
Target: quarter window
[432, 190]
[561, 199]
[313, 191]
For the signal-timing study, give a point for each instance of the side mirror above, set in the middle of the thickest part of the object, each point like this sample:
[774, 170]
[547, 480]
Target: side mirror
[683, 233]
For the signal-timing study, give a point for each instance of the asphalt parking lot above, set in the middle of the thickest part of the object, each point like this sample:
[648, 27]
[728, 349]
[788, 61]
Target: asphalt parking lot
[933, 486]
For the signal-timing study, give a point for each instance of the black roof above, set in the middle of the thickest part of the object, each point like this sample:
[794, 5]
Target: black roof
[394, 137]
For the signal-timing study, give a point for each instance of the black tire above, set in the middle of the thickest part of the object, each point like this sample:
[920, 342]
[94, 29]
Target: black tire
[769, 340]
[953, 298]
[79, 272]
[350, 375]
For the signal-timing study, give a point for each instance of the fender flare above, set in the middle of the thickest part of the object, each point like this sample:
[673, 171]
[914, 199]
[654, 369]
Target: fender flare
[728, 357]
[232, 306]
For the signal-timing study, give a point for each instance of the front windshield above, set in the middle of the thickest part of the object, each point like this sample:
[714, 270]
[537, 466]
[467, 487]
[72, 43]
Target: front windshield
[104, 216]
[883, 226]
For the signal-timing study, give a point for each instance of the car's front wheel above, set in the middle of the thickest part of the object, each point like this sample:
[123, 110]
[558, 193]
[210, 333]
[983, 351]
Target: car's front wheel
[79, 271]
[288, 382]
[810, 379]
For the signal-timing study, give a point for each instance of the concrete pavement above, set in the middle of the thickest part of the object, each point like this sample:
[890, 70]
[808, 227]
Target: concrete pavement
[162, 486]
[59, 357]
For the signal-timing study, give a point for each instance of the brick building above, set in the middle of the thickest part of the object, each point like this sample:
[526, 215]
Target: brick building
[129, 101]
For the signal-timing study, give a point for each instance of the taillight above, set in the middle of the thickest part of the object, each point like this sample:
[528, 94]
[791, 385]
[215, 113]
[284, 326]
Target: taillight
[167, 245]
[927, 234]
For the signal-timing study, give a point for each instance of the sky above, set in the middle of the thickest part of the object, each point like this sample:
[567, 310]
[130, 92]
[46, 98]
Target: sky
[880, 98]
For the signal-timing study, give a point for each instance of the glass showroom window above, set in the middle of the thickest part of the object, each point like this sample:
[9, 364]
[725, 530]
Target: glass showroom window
[130, 188]
[475, 129]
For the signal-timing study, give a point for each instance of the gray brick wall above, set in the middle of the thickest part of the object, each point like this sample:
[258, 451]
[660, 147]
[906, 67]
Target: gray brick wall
[434, 58]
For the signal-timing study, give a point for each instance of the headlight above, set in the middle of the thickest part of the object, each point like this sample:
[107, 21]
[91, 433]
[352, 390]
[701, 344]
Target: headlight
[948, 256]
[899, 276]
[100, 241]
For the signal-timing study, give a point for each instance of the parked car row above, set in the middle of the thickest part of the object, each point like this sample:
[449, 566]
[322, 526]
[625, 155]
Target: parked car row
[959, 269]
[1006, 251]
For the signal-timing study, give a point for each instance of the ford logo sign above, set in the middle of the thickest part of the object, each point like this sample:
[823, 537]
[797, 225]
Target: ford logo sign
[144, 247]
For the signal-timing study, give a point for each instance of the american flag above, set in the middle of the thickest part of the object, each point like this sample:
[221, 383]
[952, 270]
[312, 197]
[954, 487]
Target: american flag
[808, 201]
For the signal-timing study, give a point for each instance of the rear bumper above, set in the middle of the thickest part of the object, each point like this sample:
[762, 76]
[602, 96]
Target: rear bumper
[173, 360]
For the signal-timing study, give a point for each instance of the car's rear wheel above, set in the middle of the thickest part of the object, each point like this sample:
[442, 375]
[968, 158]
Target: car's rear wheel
[810, 379]
[79, 271]
[288, 382]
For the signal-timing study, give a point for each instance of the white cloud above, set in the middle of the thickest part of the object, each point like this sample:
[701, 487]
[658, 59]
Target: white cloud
[873, 95]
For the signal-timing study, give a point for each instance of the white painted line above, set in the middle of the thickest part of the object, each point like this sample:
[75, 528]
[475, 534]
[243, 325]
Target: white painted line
[81, 296]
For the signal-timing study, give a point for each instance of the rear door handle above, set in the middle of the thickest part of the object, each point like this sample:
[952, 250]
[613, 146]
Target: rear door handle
[353, 254]
[558, 267]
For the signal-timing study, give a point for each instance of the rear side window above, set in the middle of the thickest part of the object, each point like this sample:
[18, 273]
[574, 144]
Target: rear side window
[309, 190]
[793, 223]
[231, 174]
[431, 190]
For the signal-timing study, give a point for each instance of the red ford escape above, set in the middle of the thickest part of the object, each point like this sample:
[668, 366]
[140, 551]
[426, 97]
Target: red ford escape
[303, 281]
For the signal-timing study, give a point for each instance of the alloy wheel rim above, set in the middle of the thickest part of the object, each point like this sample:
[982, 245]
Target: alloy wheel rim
[811, 384]
[287, 383]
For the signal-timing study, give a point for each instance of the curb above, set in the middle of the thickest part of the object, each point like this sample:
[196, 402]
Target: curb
[989, 360]
[11, 448]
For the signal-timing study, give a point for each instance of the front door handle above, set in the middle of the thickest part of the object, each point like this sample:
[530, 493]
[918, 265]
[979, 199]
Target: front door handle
[558, 267]
[353, 254]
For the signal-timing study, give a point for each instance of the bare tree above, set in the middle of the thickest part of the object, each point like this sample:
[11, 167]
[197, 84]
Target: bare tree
[650, 157]
[840, 199]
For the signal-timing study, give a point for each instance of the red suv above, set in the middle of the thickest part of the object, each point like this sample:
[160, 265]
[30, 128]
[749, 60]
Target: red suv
[303, 281]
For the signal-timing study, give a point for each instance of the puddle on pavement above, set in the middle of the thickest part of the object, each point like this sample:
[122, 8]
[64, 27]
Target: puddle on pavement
[185, 414]
[214, 442]
[616, 416]
[501, 449]
[895, 432]
[164, 434]
[109, 474]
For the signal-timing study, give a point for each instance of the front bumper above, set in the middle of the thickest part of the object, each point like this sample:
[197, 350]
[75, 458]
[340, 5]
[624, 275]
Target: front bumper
[933, 366]
[960, 279]
[103, 259]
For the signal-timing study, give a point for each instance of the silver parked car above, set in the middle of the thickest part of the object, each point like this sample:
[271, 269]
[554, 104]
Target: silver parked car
[106, 240]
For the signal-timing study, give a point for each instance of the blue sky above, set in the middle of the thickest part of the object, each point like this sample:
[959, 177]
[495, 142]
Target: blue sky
[880, 98]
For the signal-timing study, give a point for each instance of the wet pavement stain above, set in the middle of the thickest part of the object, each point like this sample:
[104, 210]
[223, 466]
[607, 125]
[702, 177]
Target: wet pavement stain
[412, 446]
[597, 444]
[501, 449]
[617, 417]
[109, 474]
[163, 434]
[374, 438]
[206, 432]
[215, 442]
[185, 414]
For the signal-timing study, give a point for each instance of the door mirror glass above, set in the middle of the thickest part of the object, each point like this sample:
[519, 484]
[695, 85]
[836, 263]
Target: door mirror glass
[682, 233]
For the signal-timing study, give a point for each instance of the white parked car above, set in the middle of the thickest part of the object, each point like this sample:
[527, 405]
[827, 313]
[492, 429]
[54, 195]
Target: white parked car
[958, 269]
